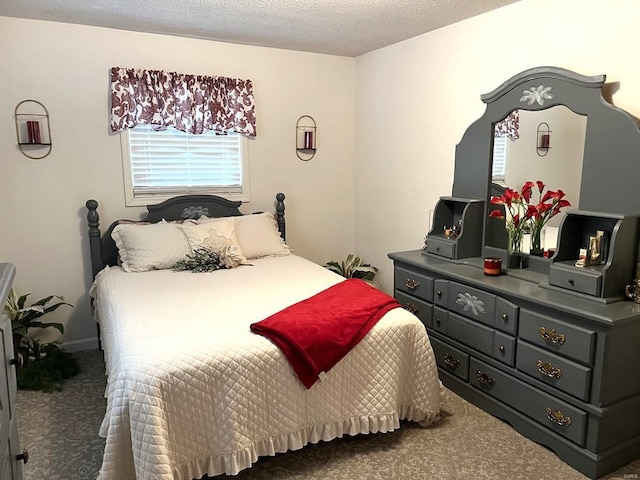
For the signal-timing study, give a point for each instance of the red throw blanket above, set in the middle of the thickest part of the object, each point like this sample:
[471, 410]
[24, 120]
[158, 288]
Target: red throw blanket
[318, 332]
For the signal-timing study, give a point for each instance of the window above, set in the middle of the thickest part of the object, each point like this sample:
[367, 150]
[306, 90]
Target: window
[162, 164]
[500, 155]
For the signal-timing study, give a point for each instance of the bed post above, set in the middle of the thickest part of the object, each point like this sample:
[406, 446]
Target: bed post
[280, 215]
[95, 244]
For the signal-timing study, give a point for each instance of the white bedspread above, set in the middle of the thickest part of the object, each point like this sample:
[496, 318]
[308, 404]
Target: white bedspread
[191, 391]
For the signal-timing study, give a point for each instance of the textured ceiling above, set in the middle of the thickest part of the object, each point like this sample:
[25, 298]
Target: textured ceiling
[337, 27]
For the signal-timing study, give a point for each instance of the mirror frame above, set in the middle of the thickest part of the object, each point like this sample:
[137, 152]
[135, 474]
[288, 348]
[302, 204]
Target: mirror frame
[611, 162]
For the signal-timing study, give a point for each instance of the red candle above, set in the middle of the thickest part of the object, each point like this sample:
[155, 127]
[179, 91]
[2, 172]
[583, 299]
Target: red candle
[544, 141]
[492, 266]
[308, 140]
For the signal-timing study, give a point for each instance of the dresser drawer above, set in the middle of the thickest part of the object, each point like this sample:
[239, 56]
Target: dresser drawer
[506, 316]
[472, 303]
[555, 335]
[442, 246]
[440, 320]
[563, 374]
[451, 359]
[484, 339]
[583, 280]
[413, 283]
[420, 308]
[559, 416]
[441, 292]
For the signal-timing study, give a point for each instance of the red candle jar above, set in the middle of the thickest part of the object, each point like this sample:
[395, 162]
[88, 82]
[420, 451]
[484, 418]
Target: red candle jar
[492, 266]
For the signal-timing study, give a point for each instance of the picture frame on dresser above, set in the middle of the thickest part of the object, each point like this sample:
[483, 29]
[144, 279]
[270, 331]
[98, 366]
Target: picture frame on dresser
[548, 347]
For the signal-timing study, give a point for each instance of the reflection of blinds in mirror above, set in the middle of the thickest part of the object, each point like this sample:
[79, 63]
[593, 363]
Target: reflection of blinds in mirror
[500, 152]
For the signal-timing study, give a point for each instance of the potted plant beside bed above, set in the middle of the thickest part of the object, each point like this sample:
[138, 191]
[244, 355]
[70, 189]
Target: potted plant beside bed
[354, 267]
[43, 366]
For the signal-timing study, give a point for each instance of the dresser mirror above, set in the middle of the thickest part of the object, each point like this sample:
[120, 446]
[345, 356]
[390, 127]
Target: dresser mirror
[605, 143]
[545, 145]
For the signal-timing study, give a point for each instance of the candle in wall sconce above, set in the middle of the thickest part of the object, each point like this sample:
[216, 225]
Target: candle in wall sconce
[544, 140]
[33, 131]
[543, 143]
[308, 140]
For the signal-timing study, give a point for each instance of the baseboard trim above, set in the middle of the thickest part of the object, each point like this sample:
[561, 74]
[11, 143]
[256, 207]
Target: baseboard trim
[80, 345]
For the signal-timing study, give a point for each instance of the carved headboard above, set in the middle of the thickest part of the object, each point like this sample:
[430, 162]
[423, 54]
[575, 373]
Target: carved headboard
[103, 248]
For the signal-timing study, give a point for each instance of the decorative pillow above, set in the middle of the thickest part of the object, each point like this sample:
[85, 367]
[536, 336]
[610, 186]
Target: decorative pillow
[258, 236]
[216, 234]
[144, 247]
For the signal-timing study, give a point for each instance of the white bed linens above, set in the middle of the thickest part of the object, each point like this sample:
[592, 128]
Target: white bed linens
[191, 391]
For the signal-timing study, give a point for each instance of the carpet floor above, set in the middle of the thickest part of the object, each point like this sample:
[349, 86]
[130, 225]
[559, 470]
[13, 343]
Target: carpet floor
[60, 430]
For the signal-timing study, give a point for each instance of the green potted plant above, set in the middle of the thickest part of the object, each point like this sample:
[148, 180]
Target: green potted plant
[354, 267]
[43, 366]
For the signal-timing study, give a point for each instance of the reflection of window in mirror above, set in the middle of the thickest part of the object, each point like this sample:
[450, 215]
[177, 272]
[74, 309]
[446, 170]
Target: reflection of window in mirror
[500, 155]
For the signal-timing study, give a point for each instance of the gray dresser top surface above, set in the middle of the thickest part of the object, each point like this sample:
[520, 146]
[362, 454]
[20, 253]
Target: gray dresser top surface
[510, 286]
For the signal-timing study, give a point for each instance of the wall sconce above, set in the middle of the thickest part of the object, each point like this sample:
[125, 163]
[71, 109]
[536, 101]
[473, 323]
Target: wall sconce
[306, 138]
[32, 129]
[543, 139]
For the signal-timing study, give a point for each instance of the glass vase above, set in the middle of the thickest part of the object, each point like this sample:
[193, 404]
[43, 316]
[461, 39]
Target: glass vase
[536, 241]
[514, 249]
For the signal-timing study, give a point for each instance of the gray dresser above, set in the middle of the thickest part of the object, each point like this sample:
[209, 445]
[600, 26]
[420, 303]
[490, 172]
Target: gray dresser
[11, 457]
[552, 348]
[560, 370]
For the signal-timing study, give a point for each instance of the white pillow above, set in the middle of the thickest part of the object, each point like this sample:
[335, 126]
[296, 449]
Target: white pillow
[258, 235]
[213, 233]
[154, 246]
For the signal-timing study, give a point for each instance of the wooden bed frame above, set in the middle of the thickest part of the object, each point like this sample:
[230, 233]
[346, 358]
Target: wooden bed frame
[103, 248]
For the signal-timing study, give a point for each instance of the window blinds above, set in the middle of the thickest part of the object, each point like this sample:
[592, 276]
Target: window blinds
[174, 162]
[500, 152]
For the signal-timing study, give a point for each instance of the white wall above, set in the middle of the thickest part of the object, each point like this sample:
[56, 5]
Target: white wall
[415, 99]
[371, 186]
[42, 214]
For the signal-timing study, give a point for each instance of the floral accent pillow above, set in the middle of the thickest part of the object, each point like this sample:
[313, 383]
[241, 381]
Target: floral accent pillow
[217, 235]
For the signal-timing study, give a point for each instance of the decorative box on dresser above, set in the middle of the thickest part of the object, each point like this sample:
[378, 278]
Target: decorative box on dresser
[11, 457]
[552, 348]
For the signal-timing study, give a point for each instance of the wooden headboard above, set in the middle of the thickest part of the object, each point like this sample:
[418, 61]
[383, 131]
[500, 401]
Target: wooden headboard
[104, 251]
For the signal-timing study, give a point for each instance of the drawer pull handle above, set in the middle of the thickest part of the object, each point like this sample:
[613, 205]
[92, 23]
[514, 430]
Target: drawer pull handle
[548, 370]
[556, 416]
[571, 281]
[18, 361]
[24, 456]
[412, 284]
[501, 349]
[484, 379]
[451, 361]
[438, 321]
[552, 336]
[439, 293]
[505, 317]
[411, 308]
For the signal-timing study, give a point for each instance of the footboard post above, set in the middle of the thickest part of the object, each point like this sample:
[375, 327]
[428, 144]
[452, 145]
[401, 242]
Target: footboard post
[95, 244]
[280, 215]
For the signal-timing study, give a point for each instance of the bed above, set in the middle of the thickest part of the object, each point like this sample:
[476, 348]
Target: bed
[192, 391]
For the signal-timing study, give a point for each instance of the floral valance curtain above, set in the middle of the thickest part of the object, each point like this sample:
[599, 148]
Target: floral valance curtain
[189, 103]
[509, 127]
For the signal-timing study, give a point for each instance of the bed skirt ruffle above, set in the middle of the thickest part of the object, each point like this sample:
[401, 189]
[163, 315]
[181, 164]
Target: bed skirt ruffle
[234, 462]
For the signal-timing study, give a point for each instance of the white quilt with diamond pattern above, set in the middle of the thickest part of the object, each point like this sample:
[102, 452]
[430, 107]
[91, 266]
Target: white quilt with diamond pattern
[191, 391]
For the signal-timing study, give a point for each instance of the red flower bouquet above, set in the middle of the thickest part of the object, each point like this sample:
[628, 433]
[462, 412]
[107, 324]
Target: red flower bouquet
[522, 213]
